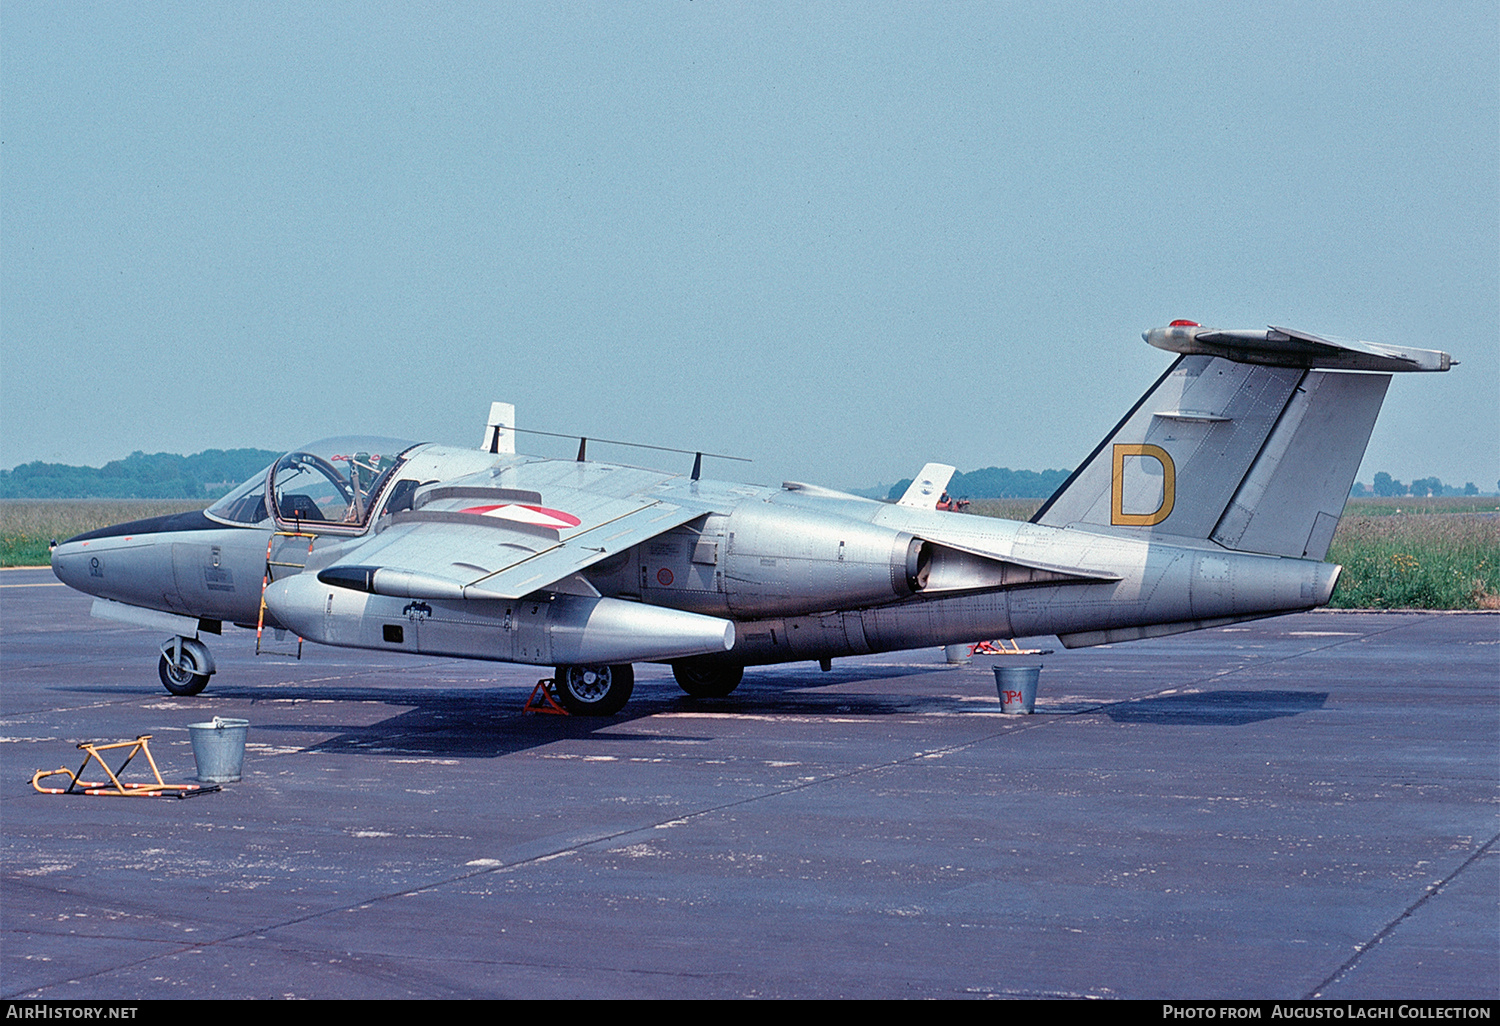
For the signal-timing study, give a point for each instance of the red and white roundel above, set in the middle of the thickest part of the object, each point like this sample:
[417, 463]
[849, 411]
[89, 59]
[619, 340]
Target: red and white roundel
[538, 515]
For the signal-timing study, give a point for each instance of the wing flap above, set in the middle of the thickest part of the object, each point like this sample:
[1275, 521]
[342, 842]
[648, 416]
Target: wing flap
[580, 551]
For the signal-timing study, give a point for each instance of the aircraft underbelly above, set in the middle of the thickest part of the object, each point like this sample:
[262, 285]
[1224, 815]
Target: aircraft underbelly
[1195, 585]
[890, 628]
[1175, 586]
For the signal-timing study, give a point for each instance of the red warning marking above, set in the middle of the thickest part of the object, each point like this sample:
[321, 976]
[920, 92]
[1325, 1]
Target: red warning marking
[539, 515]
[664, 577]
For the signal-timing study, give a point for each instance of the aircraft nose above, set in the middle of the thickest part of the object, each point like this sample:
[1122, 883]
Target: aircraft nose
[135, 570]
[70, 564]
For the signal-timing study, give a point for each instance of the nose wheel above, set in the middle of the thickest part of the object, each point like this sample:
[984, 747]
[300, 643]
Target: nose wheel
[185, 666]
[595, 690]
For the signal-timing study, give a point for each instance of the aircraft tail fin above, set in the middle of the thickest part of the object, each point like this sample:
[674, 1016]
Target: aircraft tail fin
[927, 486]
[1243, 441]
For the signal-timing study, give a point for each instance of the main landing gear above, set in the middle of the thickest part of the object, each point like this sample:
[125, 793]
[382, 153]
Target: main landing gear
[185, 666]
[706, 680]
[595, 690]
[604, 690]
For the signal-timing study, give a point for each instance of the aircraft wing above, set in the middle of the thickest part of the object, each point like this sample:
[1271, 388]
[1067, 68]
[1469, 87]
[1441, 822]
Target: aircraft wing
[489, 543]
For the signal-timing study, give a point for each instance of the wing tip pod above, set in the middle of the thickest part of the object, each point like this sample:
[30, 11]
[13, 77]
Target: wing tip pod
[1287, 347]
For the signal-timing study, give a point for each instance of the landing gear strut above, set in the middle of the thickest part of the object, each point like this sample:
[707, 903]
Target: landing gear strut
[595, 690]
[185, 666]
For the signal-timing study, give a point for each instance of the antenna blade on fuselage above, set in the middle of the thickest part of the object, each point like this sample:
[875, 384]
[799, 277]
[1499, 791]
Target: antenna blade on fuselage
[500, 431]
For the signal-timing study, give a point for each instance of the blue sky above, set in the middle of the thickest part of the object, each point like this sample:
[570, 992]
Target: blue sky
[839, 239]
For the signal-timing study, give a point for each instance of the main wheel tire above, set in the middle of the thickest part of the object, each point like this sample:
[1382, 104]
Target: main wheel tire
[707, 680]
[186, 678]
[595, 690]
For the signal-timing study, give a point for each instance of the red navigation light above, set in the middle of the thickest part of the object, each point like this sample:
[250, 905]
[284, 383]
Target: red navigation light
[1184, 324]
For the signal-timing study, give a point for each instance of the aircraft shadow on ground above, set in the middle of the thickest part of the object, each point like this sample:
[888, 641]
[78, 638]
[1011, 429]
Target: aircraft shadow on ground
[481, 724]
[490, 725]
[452, 723]
[1217, 708]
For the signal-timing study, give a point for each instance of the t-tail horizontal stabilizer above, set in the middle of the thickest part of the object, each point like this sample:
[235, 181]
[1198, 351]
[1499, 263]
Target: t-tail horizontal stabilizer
[1284, 347]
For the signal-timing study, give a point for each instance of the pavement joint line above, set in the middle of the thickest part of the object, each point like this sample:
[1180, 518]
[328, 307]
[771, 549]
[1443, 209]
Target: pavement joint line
[947, 749]
[1213, 677]
[1431, 890]
[535, 859]
[1365, 948]
[1217, 675]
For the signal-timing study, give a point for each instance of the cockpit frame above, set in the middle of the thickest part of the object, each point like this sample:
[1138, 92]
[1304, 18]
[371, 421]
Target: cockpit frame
[307, 489]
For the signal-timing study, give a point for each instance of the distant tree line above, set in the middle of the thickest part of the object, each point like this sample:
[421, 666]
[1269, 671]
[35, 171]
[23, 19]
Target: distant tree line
[1385, 486]
[996, 483]
[1004, 483]
[162, 475]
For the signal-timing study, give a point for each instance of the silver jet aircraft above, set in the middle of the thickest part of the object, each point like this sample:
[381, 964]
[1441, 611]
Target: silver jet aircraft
[1213, 501]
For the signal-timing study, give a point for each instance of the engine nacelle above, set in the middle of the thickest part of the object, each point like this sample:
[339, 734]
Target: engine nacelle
[782, 561]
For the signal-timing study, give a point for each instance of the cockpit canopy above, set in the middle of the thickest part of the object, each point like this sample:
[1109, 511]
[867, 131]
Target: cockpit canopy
[332, 484]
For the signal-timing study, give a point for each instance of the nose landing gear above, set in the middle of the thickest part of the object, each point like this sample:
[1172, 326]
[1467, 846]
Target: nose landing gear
[185, 666]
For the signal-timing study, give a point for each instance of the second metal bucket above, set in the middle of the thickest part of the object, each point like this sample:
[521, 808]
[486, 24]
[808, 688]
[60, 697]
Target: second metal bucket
[219, 749]
[1017, 687]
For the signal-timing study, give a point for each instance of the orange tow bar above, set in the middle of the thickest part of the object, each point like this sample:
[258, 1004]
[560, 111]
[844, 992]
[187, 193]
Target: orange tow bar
[115, 787]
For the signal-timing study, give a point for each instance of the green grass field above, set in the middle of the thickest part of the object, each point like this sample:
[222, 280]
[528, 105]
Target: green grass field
[28, 525]
[1417, 554]
[1406, 553]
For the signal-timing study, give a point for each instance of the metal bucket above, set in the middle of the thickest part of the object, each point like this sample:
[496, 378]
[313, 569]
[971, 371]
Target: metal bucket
[219, 749]
[1017, 687]
[956, 655]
